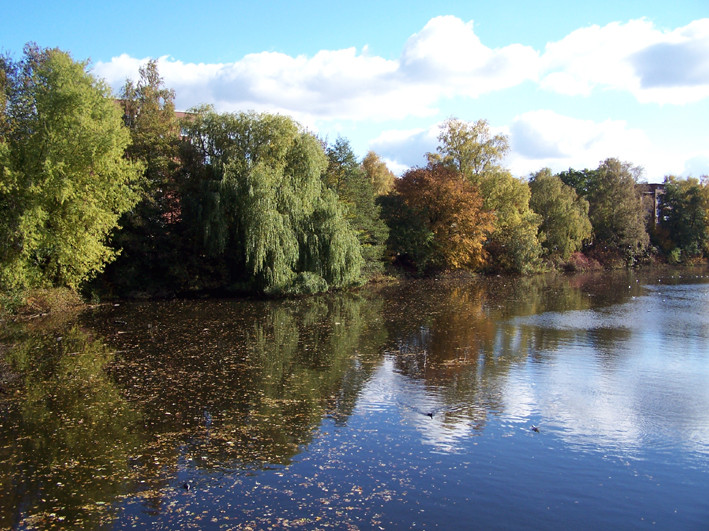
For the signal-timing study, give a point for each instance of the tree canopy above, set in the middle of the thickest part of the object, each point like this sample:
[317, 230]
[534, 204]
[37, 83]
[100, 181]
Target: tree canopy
[64, 179]
[565, 225]
[253, 202]
[439, 220]
[684, 219]
[379, 175]
[356, 192]
[150, 234]
[616, 210]
[471, 148]
[514, 245]
[258, 203]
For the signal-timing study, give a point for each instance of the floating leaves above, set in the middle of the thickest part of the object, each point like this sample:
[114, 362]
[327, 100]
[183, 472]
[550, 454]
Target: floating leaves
[345, 411]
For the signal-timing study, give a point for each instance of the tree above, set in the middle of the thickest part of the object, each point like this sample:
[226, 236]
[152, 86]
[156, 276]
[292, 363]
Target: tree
[379, 175]
[514, 245]
[355, 190]
[471, 148]
[150, 239]
[255, 198]
[685, 217]
[149, 113]
[440, 222]
[582, 181]
[616, 210]
[477, 154]
[65, 182]
[565, 224]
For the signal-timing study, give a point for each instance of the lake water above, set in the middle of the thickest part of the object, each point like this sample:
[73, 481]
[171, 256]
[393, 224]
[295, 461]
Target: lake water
[550, 402]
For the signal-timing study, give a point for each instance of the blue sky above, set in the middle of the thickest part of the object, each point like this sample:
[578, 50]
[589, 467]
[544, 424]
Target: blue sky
[569, 84]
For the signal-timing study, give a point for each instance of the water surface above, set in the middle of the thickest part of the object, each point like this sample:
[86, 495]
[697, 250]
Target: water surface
[545, 402]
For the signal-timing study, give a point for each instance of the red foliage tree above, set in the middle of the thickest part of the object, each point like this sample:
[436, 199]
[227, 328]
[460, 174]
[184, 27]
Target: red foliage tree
[451, 208]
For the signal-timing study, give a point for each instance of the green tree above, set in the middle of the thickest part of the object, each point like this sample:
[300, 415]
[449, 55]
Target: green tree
[379, 175]
[355, 190]
[685, 216]
[472, 149]
[65, 182]
[514, 245]
[582, 181]
[439, 221]
[616, 210]
[150, 237]
[565, 224]
[254, 194]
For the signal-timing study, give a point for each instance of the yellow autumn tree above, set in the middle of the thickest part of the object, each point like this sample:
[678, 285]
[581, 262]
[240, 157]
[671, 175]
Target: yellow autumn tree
[447, 212]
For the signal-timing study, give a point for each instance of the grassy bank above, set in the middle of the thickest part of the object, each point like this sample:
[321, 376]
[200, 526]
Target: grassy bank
[38, 302]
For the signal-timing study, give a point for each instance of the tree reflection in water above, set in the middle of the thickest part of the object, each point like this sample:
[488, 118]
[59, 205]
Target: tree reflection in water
[69, 437]
[137, 400]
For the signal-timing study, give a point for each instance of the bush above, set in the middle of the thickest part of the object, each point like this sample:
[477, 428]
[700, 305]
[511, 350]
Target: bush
[39, 301]
[675, 256]
[579, 262]
[305, 283]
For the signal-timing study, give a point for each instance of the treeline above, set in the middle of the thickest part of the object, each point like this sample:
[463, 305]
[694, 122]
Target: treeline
[121, 194]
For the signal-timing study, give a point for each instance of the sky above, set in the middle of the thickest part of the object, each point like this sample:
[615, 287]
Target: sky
[570, 84]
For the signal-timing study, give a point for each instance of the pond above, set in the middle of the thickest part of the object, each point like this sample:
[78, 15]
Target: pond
[543, 402]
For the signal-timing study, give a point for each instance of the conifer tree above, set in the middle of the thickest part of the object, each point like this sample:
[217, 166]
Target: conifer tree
[356, 191]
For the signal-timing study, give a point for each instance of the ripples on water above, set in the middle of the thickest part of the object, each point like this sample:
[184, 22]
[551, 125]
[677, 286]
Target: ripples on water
[546, 402]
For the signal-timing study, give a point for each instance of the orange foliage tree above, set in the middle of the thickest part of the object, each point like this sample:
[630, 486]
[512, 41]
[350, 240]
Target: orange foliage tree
[449, 209]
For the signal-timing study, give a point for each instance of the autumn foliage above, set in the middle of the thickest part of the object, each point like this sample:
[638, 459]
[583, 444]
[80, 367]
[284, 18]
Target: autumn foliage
[448, 213]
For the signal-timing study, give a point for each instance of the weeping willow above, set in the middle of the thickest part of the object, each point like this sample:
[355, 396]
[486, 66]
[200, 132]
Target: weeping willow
[261, 207]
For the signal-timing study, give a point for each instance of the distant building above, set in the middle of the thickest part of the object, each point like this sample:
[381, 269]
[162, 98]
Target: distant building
[652, 194]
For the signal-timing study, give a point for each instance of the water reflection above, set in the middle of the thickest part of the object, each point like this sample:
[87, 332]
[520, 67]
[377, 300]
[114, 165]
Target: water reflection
[461, 342]
[634, 374]
[67, 442]
[117, 415]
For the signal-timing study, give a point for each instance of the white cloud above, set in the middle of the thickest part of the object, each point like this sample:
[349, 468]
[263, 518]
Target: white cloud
[447, 53]
[667, 67]
[403, 149]
[544, 138]
[445, 59]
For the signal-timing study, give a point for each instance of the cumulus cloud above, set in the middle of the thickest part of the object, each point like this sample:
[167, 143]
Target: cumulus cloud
[697, 166]
[331, 84]
[447, 52]
[667, 67]
[445, 59]
[404, 149]
[544, 138]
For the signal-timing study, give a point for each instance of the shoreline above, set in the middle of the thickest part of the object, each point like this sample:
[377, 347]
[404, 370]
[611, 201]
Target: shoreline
[47, 302]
